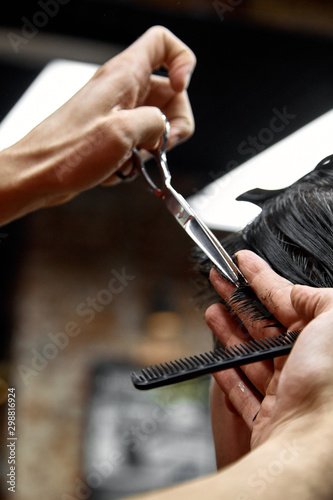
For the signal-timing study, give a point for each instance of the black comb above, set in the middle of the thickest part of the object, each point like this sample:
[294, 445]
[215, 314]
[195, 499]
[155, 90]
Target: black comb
[213, 361]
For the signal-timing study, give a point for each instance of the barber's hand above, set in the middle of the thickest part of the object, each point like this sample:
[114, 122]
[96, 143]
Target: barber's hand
[92, 136]
[274, 392]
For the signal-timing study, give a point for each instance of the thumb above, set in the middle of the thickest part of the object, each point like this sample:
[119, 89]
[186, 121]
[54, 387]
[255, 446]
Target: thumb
[140, 127]
[310, 302]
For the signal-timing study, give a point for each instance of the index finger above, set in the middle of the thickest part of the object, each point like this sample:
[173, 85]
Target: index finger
[159, 47]
[271, 289]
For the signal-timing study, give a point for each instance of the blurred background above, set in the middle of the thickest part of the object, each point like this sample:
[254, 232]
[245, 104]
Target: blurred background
[83, 431]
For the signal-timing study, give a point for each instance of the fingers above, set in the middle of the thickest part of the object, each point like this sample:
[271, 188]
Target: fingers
[230, 332]
[176, 107]
[123, 174]
[129, 76]
[306, 381]
[310, 302]
[272, 290]
[242, 395]
[118, 134]
[226, 328]
[268, 286]
[159, 47]
[140, 127]
[312, 355]
[223, 287]
[242, 306]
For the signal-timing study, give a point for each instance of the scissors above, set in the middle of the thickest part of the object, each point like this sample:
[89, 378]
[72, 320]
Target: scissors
[185, 216]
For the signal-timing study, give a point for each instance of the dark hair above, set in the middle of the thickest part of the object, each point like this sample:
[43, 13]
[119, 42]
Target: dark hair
[293, 233]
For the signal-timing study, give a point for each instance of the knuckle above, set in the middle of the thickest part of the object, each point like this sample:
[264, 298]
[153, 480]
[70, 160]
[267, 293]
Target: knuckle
[158, 30]
[122, 133]
[209, 315]
[120, 69]
[114, 130]
[162, 32]
[212, 315]
[159, 117]
[189, 126]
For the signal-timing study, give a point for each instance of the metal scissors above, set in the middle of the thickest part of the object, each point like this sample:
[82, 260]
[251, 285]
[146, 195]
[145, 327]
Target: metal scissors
[185, 216]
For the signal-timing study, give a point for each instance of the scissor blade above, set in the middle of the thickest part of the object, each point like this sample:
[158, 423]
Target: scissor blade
[202, 236]
[213, 250]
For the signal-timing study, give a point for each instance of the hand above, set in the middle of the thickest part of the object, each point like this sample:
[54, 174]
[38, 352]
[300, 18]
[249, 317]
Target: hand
[92, 136]
[273, 391]
[294, 458]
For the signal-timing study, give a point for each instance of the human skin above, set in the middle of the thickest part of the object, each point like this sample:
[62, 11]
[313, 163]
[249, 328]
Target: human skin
[92, 136]
[292, 436]
[251, 391]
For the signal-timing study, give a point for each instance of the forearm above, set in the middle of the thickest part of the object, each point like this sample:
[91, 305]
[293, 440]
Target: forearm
[291, 465]
[296, 463]
[14, 197]
[25, 182]
[50, 165]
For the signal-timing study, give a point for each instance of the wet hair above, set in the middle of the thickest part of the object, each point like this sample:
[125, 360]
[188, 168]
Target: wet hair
[293, 234]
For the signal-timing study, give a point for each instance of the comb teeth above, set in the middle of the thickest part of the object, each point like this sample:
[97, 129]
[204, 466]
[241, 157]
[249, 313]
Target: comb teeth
[219, 359]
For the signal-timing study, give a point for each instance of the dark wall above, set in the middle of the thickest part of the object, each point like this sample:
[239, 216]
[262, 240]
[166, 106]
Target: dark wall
[244, 73]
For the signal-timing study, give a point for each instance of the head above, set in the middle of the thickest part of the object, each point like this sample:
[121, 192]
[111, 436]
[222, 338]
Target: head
[293, 233]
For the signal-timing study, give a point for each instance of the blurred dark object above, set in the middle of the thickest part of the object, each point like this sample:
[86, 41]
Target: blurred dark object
[140, 442]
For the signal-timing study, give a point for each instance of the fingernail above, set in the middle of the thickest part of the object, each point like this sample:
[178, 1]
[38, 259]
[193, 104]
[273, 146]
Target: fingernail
[174, 140]
[188, 77]
[175, 137]
[214, 275]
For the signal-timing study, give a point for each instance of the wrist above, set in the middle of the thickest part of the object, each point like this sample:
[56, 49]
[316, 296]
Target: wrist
[295, 461]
